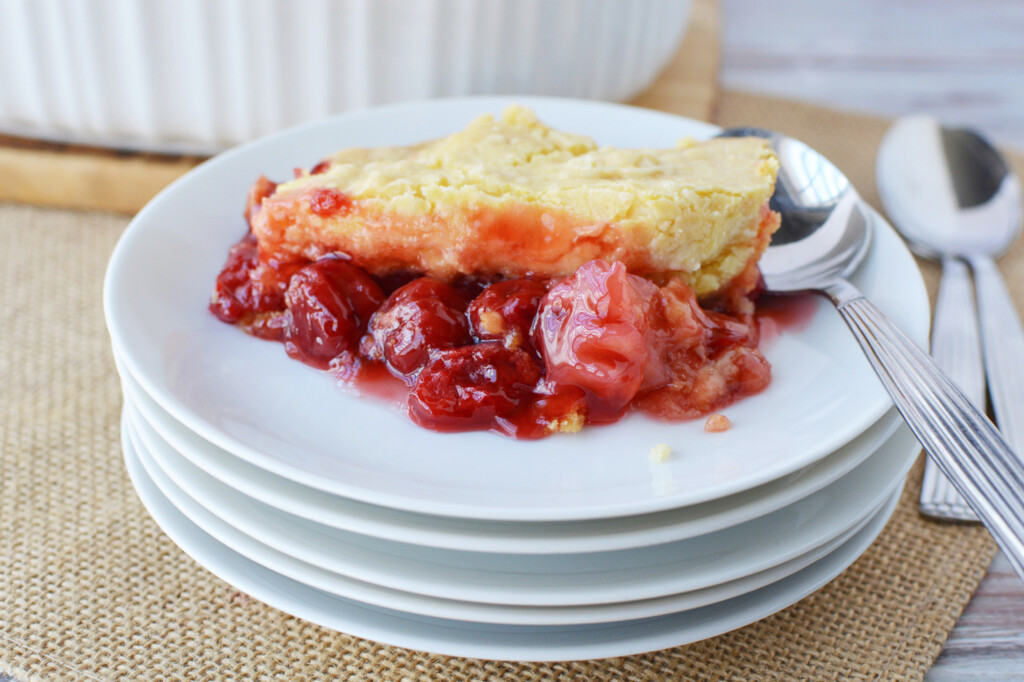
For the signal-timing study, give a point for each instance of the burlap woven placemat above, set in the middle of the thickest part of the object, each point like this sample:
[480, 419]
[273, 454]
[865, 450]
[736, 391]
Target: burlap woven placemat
[91, 589]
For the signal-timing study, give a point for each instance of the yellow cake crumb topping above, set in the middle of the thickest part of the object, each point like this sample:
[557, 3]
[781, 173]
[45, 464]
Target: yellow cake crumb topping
[693, 209]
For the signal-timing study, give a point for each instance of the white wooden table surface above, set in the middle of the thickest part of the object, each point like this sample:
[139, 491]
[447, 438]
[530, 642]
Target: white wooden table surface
[960, 61]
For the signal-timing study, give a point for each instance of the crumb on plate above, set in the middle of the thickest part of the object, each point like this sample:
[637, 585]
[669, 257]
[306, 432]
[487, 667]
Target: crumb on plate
[717, 423]
[661, 452]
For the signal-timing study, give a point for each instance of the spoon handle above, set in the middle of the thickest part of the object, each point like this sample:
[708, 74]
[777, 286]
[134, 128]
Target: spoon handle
[956, 349]
[1003, 341]
[961, 440]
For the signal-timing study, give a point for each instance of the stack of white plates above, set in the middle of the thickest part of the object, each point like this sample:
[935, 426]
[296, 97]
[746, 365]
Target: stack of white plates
[337, 509]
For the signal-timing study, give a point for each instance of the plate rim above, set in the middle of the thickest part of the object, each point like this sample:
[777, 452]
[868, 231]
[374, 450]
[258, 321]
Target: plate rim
[482, 583]
[351, 588]
[548, 545]
[506, 643]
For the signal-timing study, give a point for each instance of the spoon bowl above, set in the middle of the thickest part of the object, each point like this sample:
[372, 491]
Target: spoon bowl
[947, 190]
[825, 232]
[955, 199]
[823, 237]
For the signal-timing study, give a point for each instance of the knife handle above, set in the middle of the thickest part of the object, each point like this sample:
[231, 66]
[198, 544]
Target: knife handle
[1003, 341]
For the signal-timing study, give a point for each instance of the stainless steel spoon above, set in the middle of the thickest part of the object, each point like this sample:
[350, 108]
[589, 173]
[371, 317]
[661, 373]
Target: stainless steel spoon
[823, 238]
[955, 199]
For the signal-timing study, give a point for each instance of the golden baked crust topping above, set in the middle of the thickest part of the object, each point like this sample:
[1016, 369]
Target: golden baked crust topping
[514, 197]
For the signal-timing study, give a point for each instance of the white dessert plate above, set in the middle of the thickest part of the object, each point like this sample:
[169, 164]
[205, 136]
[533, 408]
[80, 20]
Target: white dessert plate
[248, 397]
[553, 579]
[565, 537]
[476, 612]
[482, 640]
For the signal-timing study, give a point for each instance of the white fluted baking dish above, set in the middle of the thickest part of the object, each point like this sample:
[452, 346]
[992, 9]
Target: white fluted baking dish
[202, 75]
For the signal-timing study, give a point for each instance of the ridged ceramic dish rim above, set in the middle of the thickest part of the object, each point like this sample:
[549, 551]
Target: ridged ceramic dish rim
[194, 76]
[202, 372]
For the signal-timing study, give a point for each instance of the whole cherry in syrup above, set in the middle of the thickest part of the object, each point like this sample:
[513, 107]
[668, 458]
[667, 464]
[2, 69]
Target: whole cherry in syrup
[420, 317]
[330, 303]
[484, 385]
[505, 310]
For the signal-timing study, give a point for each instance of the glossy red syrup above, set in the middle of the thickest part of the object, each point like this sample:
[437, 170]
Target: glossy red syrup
[373, 380]
[519, 357]
[778, 314]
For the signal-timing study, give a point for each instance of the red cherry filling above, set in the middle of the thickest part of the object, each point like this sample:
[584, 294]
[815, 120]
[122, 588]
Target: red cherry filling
[330, 303]
[421, 316]
[232, 290]
[247, 285]
[504, 311]
[593, 329]
[260, 190]
[711, 358]
[482, 385]
[326, 201]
